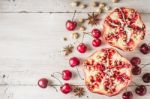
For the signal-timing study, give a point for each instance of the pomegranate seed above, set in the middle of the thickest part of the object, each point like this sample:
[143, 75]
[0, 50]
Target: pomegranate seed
[127, 95]
[96, 42]
[141, 90]
[74, 61]
[82, 48]
[66, 88]
[146, 77]
[66, 75]
[135, 61]
[96, 33]
[43, 83]
[71, 25]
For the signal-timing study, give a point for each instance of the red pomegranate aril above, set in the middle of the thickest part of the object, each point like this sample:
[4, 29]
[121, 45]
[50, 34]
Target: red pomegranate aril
[96, 33]
[71, 25]
[66, 88]
[66, 75]
[43, 82]
[145, 49]
[82, 48]
[141, 90]
[146, 77]
[96, 42]
[127, 95]
[74, 61]
[135, 61]
[136, 70]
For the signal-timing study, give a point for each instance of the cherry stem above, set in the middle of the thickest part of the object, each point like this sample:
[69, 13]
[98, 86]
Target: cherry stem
[134, 83]
[79, 73]
[52, 75]
[55, 88]
[144, 65]
[73, 15]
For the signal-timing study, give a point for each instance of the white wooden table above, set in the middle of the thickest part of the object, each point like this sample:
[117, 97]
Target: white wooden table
[31, 38]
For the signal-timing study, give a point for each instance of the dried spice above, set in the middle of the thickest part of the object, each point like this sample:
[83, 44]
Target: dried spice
[93, 19]
[75, 35]
[68, 49]
[65, 38]
[78, 91]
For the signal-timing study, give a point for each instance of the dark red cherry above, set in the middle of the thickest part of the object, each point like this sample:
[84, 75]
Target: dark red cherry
[74, 61]
[96, 42]
[43, 82]
[135, 61]
[146, 77]
[141, 90]
[136, 70]
[82, 48]
[66, 88]
[71, 25]
[66, 74]
[145, 49]
[127, 95]
[96, 33]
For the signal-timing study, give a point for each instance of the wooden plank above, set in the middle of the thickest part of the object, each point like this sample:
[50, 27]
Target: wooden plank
[46, 6]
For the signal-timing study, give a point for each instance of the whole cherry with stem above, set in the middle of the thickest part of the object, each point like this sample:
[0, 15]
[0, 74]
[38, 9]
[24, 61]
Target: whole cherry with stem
[96, 42]
[96, 33]
[66, 74]
[64, 88]
[74, 62]
[43, 82]
[146, 77]
[71, 24]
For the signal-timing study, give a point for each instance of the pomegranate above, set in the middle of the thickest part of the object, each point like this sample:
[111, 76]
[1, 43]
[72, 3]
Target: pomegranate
[124, 29]
[107, 72]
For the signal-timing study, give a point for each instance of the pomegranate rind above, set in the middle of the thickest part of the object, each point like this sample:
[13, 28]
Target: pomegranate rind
[99, 87]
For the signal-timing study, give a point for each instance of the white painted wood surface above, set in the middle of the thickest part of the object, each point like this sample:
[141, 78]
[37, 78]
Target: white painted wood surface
[31, 38]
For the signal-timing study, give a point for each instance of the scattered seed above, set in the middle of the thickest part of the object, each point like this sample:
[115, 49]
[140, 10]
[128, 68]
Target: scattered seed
[115, 1]
[65, 38]
[95, 4]
[107, 8]
[75, 35]
[99, 10]
[82, 28]
[75, 3]
[102, 5]
[83, 6]
[81, 20]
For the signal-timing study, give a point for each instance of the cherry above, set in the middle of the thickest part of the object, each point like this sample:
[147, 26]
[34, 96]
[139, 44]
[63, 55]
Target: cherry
[127, 95]
[146, 77]
[135, 61]
[74, 61]
[43, 83]
[136, 70]
[96, 42]
[96, 33]
[66, 74]
[71, 25]
[141, 90]
[82, 48]
[145, 49]
[66, 88]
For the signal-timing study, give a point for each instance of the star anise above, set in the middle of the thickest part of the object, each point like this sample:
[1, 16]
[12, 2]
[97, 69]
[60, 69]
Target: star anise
[68, 49]
[78, 91]
[93, 19]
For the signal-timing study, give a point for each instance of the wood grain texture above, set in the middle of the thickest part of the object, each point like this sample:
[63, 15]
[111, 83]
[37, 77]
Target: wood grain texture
[31, 47]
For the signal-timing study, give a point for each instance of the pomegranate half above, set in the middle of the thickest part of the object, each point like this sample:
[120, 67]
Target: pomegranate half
[124, 29]
[107, 72]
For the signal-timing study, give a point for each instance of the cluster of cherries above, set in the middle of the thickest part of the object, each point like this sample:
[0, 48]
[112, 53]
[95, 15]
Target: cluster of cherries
[66, 75]
[136, 70]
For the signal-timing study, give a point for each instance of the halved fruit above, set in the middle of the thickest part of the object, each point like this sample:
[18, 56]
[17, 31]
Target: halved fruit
[107, 72]
[124, 29]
